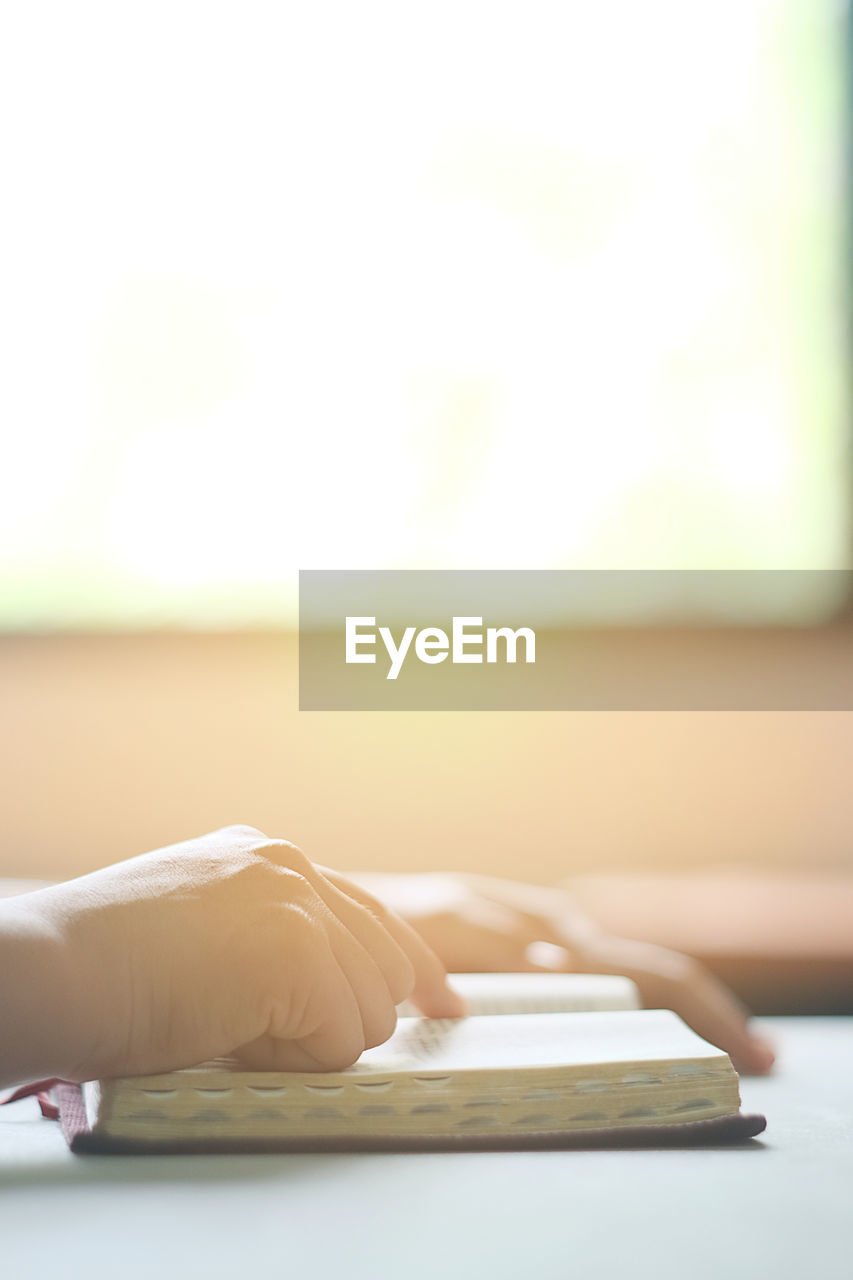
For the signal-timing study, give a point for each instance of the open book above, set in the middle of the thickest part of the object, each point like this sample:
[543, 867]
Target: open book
[492, 1079]
[540, 993]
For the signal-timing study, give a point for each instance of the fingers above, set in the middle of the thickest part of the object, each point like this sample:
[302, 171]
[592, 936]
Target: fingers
[325, 998]
[359, 918]
[478, 923]
[430, 990]
[545, 944]
[477, 935]
[546, 907]
[366, 982]
[367, 920]
[322, 1031]
[363, 956]
[499, 941]
[378, 961]
[668, 980]
[716, 1014]
[549, 957]
[412, 969]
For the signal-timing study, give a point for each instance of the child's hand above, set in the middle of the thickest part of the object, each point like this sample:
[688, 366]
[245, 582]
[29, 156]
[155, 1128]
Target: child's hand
[229, 943]
[481, 923]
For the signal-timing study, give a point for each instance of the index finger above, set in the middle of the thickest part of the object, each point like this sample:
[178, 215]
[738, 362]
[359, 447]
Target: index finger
[668, 980]
[430, 991]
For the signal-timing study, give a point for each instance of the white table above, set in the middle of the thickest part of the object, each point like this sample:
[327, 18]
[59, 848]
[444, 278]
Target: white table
[780, 1206]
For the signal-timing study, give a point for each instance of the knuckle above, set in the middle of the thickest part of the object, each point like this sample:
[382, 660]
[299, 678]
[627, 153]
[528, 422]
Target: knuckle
[287, 855]
[242, 829]
[257, 877]
[376, 908]
[276, 852]
[299, 917]
[240, 878]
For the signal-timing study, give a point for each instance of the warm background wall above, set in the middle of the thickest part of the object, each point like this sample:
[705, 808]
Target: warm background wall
[114, 744]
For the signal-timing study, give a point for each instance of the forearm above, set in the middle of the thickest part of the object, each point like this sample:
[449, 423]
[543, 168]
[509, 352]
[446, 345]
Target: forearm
[33, 1008]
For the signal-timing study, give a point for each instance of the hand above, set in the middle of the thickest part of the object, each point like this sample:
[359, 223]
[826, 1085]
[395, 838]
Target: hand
[232, 943]
[477, 923]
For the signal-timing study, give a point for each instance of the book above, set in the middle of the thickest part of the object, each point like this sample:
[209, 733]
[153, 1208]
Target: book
[608, 1076]
[540, 993]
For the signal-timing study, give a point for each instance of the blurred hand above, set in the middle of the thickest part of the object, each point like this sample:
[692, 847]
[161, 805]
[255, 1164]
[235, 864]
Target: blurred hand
[232, 943]
[477, 923]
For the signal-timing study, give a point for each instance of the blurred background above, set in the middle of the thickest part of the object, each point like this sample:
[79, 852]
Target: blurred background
[465, 285]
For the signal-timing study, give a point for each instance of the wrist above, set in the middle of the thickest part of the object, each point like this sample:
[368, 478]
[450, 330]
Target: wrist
[37, 1040]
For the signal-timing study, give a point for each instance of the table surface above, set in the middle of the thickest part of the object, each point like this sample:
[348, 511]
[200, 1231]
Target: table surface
[779, 1206]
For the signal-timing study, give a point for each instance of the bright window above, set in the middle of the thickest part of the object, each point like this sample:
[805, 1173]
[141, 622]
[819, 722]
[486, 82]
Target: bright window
[368, 285]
